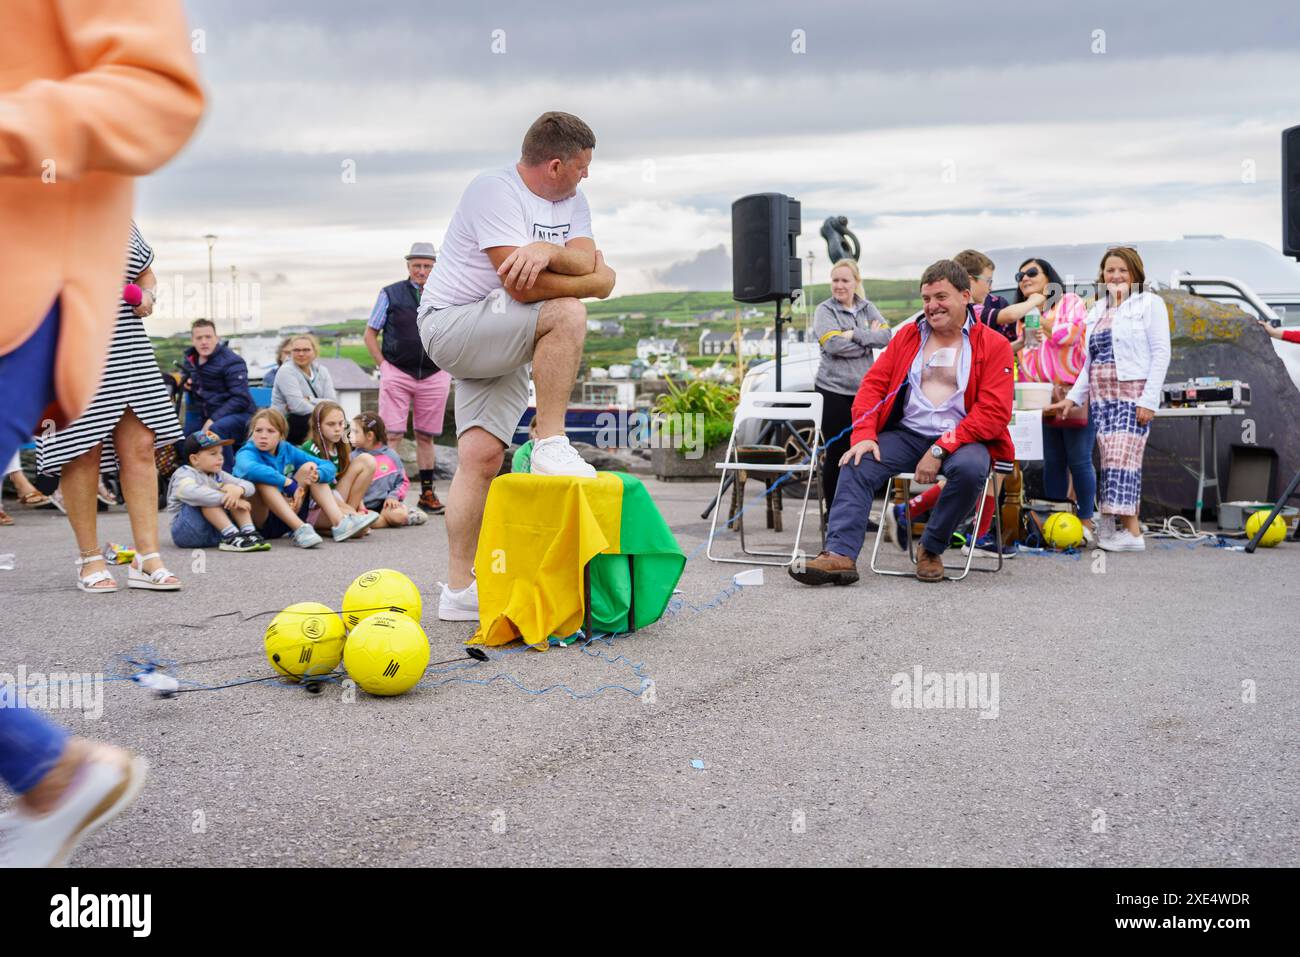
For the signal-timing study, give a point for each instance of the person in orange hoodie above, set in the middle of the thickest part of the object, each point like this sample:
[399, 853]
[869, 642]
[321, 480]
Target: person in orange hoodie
[92, 94]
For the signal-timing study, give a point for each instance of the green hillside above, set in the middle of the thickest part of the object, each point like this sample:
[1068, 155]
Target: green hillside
[896, 299]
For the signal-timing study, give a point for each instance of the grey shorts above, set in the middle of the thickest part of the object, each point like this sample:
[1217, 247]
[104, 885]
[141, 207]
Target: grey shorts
[486, 346]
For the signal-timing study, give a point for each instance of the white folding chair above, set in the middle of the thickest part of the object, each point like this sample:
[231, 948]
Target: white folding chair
[773, 407]
[966, 567]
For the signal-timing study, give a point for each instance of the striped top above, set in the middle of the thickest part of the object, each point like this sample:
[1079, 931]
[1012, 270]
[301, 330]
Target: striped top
[131, 379]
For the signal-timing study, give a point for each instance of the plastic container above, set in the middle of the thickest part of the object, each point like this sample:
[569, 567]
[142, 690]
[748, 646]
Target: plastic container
[1288, 514]
[1033, 395]
[1033, 327]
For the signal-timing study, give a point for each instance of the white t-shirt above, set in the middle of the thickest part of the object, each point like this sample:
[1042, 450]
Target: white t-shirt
[497, 209]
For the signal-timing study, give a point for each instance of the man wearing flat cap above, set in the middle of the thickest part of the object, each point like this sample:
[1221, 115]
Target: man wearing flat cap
[409, 381]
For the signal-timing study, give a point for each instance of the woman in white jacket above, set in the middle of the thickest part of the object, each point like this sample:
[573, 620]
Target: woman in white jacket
[1123, 372]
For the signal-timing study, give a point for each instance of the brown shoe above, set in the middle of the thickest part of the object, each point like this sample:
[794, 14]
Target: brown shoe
[429, 503]
[929, 566]
[826, 569]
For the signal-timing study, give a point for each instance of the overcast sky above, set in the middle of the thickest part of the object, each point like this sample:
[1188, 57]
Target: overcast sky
[932, 127]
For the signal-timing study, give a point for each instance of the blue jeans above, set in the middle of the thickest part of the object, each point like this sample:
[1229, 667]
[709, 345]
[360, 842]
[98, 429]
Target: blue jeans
[27, 385]
[191, 530]
[1068, 452]
[966, 470]
[30, 744]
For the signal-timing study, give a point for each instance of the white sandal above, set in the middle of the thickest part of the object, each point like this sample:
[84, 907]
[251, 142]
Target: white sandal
[91, 582]
[156, 580]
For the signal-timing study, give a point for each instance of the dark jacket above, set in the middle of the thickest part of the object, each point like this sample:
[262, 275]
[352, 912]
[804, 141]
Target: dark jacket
[219, 387]
[401, 345]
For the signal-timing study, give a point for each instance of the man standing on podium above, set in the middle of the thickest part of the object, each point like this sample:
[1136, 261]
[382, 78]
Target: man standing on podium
[517, 259]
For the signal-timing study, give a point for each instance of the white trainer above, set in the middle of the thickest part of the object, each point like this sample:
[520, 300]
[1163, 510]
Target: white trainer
[555, 456]
[1124, 541]
[458, 605]
[98, 793]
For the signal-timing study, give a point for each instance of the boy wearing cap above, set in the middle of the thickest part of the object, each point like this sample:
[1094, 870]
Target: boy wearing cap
[211, 506]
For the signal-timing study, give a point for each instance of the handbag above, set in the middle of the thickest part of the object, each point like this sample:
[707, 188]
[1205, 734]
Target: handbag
[1076, 418]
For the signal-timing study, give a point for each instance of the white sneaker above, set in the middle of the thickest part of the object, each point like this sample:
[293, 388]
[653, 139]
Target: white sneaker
[555, 456]
[98, 793]
[415, 517]
[458, 605]
[1123, 541]
[353, 524]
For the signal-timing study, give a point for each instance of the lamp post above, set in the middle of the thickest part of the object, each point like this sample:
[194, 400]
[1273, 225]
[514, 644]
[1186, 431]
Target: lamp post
[212, 241]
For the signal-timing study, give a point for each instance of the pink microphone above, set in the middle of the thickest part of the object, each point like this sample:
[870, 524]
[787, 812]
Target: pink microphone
[132, 295]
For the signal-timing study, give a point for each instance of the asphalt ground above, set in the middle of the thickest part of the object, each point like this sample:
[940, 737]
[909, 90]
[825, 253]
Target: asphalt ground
[1146, 714]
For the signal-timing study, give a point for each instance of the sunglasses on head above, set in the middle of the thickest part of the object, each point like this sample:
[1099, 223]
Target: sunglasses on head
[1031, 272]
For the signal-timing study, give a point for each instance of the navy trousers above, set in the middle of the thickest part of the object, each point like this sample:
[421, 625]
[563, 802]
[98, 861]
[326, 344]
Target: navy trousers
[228, 427]
[900, 449]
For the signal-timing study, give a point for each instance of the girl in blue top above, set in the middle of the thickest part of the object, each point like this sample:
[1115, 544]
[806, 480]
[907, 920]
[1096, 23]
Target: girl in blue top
[284, 477]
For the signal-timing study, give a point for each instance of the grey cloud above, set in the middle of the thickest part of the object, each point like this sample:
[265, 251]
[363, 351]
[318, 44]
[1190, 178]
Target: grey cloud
[413, 42]
[707, 269]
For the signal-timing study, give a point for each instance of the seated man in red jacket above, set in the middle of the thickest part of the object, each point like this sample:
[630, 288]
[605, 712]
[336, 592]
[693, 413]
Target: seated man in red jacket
[936, 402]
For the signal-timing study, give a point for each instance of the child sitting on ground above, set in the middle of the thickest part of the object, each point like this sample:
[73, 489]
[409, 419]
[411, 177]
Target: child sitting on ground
[389, 484]
[283, 476]
[211, 506]
[327, 439]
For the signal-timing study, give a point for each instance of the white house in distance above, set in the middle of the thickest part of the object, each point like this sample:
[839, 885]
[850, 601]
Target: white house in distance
[714, 343]
[645, 348]
[357, 391]
[762, 342]
[258, 352]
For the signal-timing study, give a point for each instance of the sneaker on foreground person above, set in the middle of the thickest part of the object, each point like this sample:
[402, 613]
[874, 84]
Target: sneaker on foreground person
[458, 605]
[90, 784]
[555, 456]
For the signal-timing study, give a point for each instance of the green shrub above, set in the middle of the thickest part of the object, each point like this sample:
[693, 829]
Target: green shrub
[716, 401]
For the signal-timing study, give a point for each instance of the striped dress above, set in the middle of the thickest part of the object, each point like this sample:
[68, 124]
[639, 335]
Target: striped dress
[131, 379]
[1113, 407]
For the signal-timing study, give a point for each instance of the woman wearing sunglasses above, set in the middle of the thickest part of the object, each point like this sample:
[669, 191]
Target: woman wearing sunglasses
[1056, 357]
[1126, 357]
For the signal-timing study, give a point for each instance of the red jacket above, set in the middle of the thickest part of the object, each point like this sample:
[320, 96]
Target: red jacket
[989, 392]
